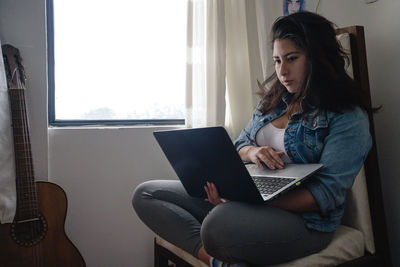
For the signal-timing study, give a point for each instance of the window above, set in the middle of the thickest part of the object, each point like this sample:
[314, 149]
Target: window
[116, 62]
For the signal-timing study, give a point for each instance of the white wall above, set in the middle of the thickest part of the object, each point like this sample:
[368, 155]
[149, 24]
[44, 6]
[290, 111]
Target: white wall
[23, 25]
[99, 168]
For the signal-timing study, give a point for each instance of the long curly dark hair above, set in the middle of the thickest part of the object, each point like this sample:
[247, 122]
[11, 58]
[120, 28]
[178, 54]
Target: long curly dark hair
[326, 86]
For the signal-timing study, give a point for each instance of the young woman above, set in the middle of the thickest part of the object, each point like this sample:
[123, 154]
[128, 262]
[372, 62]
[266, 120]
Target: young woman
[313, 112]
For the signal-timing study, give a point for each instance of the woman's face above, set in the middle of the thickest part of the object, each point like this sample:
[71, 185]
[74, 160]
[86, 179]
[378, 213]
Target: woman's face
[290, 64]
[293, 6]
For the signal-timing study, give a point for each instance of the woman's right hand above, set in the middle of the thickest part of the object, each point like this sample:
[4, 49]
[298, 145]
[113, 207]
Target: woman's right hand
[267, 155]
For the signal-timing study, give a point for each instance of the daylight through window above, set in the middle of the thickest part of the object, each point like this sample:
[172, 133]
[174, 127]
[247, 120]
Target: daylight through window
[119, 60]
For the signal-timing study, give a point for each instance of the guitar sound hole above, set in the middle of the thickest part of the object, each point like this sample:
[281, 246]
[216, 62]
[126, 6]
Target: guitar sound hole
[29, 233]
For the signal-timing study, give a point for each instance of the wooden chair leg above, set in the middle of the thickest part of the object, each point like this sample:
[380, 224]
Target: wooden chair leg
[160, 259]
[163, 256]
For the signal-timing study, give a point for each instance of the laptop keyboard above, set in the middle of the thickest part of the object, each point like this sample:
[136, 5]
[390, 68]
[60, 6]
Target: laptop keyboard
[270, 185]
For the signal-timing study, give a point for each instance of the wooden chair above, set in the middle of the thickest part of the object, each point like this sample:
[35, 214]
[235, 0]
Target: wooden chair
[361, 239]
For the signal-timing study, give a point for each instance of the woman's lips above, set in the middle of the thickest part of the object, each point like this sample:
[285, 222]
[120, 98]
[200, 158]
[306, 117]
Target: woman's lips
[287, 82]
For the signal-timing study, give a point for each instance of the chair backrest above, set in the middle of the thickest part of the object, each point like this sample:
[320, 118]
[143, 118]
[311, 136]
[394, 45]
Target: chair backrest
[357, 214]
[357, 198]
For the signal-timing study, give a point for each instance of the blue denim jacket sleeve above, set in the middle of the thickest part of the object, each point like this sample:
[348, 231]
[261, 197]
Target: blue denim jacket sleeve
[345, 149]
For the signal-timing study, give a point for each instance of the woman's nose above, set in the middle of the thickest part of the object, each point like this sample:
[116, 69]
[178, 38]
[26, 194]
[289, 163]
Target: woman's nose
[283, 70]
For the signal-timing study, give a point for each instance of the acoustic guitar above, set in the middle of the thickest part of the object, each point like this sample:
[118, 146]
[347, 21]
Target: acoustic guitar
[36, 237]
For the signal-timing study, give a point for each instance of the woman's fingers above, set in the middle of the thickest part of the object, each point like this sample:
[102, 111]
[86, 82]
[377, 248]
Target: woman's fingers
[270, 162]
[214, 191]
[266, 155]
[212, 194]
[276, 156]
[271, 157]
[207, 191]
[258, 163]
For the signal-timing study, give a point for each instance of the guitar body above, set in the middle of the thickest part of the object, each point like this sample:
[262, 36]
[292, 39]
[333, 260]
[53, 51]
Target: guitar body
[40, 243]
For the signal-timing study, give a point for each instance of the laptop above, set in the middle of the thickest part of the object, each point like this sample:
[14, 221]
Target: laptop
[198, 155]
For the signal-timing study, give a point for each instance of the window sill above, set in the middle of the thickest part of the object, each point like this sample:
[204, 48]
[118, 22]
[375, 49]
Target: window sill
[116, 127]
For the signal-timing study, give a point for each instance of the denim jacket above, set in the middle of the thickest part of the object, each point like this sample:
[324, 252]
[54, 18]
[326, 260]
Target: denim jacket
[340, 141]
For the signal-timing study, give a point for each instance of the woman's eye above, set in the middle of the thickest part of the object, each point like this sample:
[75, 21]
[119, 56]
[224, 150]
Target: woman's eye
[276, 61]
[290, 59]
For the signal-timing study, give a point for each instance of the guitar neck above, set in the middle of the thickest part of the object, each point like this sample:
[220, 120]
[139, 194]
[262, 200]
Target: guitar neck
[27, 207]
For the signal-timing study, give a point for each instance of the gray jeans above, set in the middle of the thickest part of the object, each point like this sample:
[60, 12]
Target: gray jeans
[232, 231]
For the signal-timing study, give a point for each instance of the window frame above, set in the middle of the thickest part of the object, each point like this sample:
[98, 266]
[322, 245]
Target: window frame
[51, 89]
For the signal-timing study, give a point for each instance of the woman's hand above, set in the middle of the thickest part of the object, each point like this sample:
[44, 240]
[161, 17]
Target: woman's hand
[212, 194]
[265, 154]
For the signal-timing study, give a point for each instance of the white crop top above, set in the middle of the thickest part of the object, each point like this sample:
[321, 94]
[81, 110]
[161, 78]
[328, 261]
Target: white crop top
[271, 136]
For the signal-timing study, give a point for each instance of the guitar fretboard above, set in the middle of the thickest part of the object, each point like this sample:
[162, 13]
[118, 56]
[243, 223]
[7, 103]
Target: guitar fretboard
[27, 207]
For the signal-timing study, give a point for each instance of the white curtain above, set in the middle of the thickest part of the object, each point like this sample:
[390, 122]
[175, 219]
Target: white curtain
[7, 170]
[223, 63]
[205, 94]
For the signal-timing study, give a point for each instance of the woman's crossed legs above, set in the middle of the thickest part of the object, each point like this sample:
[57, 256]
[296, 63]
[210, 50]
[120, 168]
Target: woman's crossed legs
[232, 231]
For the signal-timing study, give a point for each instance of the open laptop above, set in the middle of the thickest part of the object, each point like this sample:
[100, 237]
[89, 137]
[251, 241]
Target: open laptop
[206, 154]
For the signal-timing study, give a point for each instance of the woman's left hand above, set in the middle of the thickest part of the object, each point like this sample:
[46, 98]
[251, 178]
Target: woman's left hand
[212, 194]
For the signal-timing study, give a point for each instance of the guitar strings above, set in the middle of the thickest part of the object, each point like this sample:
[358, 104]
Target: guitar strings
[11, 85]
[28, 170]
[28, 183]
[12, 75]
[33, 201]
[35, 228]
